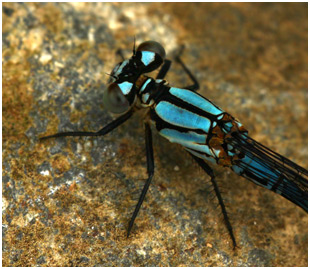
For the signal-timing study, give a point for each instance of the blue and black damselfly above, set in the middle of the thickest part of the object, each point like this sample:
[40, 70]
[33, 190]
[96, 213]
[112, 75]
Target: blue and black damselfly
[206, 131]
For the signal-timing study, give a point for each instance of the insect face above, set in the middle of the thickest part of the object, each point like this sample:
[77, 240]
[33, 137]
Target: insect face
[121, 93]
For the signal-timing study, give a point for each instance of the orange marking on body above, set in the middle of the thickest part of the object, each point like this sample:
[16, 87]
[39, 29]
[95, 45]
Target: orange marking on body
[219, 138]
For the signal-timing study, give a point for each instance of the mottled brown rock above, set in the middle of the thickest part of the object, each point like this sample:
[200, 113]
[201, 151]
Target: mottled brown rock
[67, 202]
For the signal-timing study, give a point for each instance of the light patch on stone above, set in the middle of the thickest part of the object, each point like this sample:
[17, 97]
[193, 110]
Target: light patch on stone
[141, 252]
[4, 204]
[79, 147]
[58, 64]
[91, 35]
[130, 13]
[30, 216]
[45, 58]
[45, 173]
[33, 40]
[44, 96]
[53, 190]
[176, 168]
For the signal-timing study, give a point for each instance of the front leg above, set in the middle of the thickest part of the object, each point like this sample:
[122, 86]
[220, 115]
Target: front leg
[150, 171]
[106, 129]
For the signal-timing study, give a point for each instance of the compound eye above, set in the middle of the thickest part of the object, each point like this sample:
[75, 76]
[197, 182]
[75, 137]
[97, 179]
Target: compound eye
[114, 100]
[153, 46]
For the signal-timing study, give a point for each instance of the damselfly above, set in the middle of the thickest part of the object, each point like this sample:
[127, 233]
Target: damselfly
[206, 131]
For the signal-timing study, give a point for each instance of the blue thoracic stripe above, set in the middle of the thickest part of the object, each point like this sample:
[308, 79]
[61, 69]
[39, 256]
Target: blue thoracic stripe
[145, 84]
[181, 117]
[145, 97]
[147, 57]
[188, 139]
[195, 100]
[190, 136]
[201, 155]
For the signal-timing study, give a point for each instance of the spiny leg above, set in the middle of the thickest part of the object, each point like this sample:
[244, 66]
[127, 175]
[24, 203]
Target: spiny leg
[108, 128]
[150, 171]
[195, 86]
[209, 171]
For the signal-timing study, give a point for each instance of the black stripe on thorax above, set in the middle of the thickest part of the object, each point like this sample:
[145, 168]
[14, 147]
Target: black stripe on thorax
[167, 96]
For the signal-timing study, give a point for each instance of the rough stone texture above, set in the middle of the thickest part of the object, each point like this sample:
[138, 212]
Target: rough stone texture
[67, 202]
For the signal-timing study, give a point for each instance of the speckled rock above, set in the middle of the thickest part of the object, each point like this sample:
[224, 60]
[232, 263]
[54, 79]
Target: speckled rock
[67, 202]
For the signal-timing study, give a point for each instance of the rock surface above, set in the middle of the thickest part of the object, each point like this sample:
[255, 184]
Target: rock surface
[67, 202]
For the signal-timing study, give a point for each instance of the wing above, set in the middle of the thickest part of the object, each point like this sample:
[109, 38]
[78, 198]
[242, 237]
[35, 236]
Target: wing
[269, 169]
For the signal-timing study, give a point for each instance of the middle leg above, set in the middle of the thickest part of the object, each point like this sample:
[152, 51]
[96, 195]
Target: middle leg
[209, 171]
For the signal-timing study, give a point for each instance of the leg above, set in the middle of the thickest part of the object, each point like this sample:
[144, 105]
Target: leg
[108, 128]
[209, 171]
[166, 66]
[164, 69]
[195, 86]
[150, 171]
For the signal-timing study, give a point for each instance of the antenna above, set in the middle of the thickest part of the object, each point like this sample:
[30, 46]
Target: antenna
[134, 45]
[111, 75]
